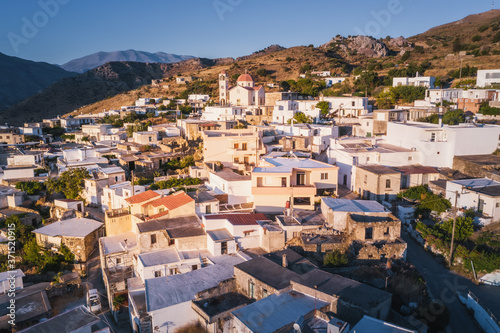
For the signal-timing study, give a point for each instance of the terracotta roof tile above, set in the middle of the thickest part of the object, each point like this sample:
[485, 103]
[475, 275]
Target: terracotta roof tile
[141, 197]
[172, 201]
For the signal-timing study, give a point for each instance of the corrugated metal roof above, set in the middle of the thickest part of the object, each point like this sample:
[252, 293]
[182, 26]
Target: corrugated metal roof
[239, 219]
[219, 235]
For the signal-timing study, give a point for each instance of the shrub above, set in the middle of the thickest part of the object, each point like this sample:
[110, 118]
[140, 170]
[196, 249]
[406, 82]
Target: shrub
[335, 258]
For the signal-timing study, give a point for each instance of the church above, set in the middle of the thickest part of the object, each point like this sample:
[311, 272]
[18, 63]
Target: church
[245, 93]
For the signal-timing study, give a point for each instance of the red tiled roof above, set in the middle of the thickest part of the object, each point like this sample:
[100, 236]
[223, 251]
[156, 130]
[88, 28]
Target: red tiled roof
[172, 201]
[239, 219]
[244, 78]
[155, 216]
[141, 197]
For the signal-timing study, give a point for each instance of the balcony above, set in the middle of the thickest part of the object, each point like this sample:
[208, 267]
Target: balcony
[297, 191]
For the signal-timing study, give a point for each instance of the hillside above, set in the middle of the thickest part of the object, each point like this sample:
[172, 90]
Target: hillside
[22, 78]
[95, 60]
[115, 84]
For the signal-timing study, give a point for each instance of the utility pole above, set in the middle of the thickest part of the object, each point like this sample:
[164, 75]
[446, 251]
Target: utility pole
[453, 230]
[461, 60]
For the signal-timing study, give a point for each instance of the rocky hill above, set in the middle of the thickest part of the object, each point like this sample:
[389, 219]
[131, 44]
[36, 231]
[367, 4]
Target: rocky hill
[95, 60]
[98, 84]
[110, 85]
[22, 78]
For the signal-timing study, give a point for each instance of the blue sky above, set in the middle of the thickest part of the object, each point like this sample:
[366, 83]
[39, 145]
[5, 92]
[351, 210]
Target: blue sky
[69, 29]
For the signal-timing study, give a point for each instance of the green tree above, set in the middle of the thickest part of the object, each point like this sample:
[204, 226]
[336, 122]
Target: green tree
[262, 72]
[335, 258]
[70, 183]
[285, 86]
[324, 106]
[464, 228]
[30, 187]
[301, 118]
[162, 108]
[454, 117]
[32, 253]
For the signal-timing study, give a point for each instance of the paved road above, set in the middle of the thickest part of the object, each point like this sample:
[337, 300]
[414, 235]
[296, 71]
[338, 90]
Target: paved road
[443, 285]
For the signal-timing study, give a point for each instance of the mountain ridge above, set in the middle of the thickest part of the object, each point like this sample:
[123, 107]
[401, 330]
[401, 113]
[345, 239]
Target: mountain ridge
[94, 60]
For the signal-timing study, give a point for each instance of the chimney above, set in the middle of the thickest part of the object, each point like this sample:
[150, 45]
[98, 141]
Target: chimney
[285, 262]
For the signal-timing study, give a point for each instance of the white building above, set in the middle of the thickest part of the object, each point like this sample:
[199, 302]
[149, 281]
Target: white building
[320, 134]
[113, 196]
[168, 299]
[348, 106]
[168, 130]
[418, 81]
[349, 152]
[330, 81]
[6, 278]
[335, 211]
[437, 145]
[238, 188]
[245, 93]
[480, 194]
[146, 138]
[440, 95]
[242, 229]
[223, 113]
[487, 77]
[285, 110]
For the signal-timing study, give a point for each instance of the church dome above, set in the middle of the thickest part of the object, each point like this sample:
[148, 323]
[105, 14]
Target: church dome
[245, 78]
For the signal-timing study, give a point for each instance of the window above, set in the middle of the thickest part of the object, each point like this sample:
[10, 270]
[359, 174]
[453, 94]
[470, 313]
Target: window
[223, 248]
[369, 233]
[118, 261]
[236, 160]
[368, 159]
[251, 287]
[283, 181]
[150, 139]
[366, 179]
[194, 267]
[153, 239]
[264, 293]
[301, 179]
[244, 146]
[236, 145]
[353, 103]
[157, 273]
[171, 242]
[161, 210]
[497, 205]
[410, 158]
[387, 183]
[173, 271]
[386, 231]
[324, 175]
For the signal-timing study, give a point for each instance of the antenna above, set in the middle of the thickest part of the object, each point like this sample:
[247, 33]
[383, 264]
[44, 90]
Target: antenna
[492, 4]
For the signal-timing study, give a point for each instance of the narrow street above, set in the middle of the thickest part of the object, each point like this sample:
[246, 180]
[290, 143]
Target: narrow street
[443, 285]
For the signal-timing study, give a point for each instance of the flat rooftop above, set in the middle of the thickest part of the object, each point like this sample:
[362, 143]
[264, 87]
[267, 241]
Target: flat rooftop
[372, 325]
[286, 307]
[286, 165]
[232, 176]
[378, 169]
[351, 291]
[119, 243]
[354, 206]
[219, 304]
[190, 221]
[75, 227]
[168, 255]
[163, 292]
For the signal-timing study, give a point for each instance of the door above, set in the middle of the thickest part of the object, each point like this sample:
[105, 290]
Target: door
[345, 180]
[480, 206]
[208, 209]
[301, 179]
[223, 248]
